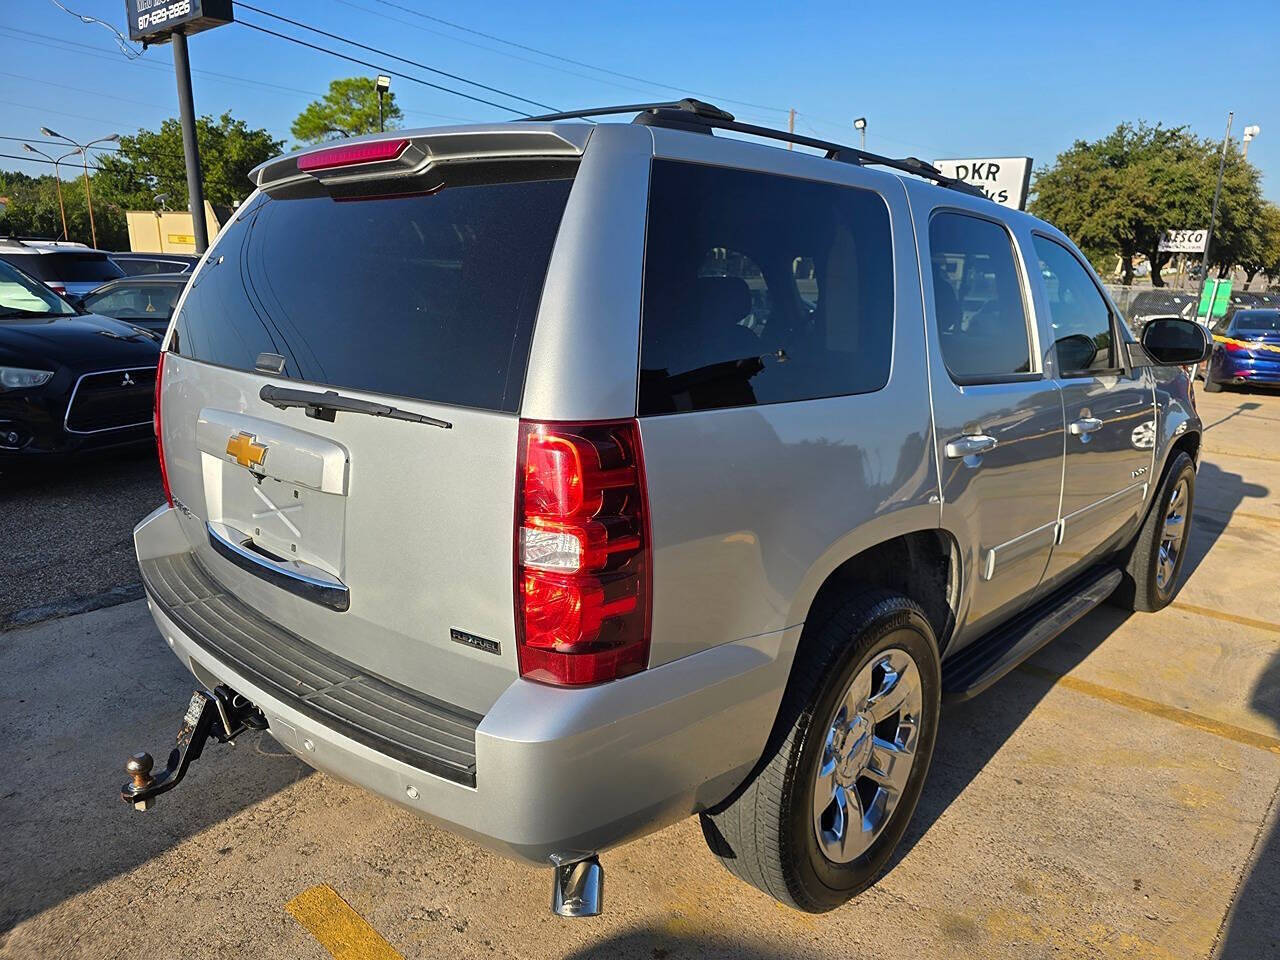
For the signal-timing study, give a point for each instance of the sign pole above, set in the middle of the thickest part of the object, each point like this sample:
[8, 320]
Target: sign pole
[190, 148]
[1213, 212]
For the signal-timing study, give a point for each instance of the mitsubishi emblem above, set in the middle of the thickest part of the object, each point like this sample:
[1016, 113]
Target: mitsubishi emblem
[128, 380]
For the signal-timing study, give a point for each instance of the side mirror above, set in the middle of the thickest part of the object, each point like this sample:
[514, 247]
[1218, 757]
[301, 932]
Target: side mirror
[1173, 341]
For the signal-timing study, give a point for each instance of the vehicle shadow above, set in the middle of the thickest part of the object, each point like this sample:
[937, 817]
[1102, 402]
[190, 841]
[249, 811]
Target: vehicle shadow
[652, 944]
[1219, 494]
[80, 696]
[972, 732]
[1252, 928]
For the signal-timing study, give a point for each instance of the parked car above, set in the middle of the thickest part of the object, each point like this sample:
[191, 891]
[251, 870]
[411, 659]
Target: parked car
[69, 381]
[142, 264]
[1161, 303]
[1246, 349]
[67, 268]
[144, 301]
[788, 472]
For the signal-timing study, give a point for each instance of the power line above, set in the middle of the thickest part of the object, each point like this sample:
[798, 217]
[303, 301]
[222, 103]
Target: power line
[578, 63]
[414, 63]
[374, 66]
[46, 40]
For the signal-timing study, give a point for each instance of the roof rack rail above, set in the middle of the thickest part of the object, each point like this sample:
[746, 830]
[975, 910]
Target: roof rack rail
[699, 116]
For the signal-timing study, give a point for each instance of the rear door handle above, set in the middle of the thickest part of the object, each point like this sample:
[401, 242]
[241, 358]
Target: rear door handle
[1084, 426]
[970, 445]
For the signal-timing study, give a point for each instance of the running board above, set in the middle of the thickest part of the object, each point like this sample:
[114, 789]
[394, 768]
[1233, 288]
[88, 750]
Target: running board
[985, 661]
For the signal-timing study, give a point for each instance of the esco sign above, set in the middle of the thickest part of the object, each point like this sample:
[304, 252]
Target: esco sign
[1183, 241]
[1003, 179]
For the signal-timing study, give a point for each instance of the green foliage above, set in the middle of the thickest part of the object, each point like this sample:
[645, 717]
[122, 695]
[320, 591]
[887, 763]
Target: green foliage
[1116, 195]
[349, 109]
[151, 162]
[1263, 254]
[32, 210]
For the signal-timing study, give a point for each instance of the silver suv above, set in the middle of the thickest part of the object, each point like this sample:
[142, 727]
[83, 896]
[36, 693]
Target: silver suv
[560, 480]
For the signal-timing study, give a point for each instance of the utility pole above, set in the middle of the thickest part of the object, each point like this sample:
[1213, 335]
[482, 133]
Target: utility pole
[190, 147]
[1213, 215]
[791, 125]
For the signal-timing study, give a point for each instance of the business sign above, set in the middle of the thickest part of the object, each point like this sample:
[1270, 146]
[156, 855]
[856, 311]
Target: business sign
[1003, 179]
[152, 21]
[1183, 241]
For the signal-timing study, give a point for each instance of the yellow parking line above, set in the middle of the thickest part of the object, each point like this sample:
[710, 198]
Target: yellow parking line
[340, 930]
[1195, 721]
[1227, 617]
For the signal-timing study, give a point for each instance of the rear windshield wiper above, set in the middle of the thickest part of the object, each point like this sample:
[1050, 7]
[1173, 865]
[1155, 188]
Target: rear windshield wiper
[326, 405]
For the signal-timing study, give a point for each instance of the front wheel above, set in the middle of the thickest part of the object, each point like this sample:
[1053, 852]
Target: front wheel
[1151, 575]
[821, 816]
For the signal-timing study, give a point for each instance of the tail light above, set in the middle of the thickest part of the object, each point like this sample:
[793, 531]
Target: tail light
[583, 553]
[158, 426]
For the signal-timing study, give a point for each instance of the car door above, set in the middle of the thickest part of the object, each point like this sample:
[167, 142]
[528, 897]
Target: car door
[998, 419]
[1109, 409]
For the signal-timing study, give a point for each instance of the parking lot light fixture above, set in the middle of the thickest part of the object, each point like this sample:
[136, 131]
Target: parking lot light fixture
[83, 150]
[861, 126]
[1250, 134]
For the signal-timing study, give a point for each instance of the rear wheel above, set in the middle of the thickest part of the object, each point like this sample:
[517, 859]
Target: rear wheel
[818, 821]
[1151, 575]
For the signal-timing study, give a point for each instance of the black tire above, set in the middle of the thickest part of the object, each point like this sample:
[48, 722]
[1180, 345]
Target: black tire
[1146, 588]
[765, 832]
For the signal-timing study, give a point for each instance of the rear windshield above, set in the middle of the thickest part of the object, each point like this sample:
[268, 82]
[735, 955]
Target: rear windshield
[1258, 321]
[430, 297]
[69, 267]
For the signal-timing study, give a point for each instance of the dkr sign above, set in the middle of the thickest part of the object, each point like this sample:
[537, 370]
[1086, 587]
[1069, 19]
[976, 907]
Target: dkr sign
[1003, 179]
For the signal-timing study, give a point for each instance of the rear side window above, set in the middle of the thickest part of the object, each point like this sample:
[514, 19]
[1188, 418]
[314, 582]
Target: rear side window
[430, 297]
[977, 298]
[1081, 319]
[77, 267]
[762, 289]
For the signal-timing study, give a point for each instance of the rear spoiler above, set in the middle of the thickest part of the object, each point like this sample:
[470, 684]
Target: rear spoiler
[401, 154]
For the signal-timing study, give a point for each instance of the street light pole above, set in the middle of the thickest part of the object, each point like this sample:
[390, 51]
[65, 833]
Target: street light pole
[83, 150]
[57, 181]
[1213, 214]
[861, 126]
[1250, 133]
[382, 85]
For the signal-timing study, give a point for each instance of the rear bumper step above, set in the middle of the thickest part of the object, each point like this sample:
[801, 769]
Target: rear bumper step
[981, 664]
[437, 738]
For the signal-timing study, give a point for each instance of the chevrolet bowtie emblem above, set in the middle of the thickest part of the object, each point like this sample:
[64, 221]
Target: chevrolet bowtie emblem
[245, 449]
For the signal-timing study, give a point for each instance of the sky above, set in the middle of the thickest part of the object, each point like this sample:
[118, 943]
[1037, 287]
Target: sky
[934, 80]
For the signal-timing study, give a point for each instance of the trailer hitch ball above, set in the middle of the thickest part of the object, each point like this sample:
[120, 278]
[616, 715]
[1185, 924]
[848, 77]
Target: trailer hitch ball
[139, 769]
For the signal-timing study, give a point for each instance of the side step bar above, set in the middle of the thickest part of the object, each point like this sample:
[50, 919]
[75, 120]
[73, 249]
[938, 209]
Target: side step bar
[985, 661]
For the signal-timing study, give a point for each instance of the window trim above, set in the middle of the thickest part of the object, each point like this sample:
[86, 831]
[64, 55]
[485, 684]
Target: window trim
[1036, 371]
[1126, 362]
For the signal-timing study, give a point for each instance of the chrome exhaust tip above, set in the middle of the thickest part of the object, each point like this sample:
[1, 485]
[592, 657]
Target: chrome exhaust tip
[577, 888]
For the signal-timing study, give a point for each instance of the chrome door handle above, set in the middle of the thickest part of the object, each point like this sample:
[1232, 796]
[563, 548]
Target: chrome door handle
[970, 445]
[1085, 425]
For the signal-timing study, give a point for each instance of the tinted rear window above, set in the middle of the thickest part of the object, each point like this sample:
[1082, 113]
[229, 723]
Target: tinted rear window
[762, 289]
[1258, 321]
[430, 296]
[70, 267]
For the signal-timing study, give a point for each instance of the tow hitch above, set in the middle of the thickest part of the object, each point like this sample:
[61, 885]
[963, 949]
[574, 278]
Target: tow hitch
[222, 714]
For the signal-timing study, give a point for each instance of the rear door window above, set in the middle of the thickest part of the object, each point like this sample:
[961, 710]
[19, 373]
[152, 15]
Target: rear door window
[430, 297]
[762, 289]
[979, 309]
[79, 267]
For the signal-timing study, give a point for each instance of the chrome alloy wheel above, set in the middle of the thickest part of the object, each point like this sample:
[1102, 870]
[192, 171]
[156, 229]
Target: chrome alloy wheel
[868, 755]
[1171, 536]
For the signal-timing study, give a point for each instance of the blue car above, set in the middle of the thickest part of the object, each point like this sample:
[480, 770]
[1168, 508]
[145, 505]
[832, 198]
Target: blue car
[1246, 349]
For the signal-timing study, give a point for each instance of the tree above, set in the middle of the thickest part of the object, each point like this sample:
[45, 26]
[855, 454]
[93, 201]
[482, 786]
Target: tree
[349, 109]
[152, 162]
[1263, 255]
[1118, 194]
[31, 210]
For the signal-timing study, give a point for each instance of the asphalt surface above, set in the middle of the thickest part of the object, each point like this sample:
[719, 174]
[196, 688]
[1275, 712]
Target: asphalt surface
[1114, 798]
[67, 531]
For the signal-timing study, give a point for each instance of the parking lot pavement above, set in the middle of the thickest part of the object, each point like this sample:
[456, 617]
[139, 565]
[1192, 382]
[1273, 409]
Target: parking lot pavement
[67, 533]
[1114, 798]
